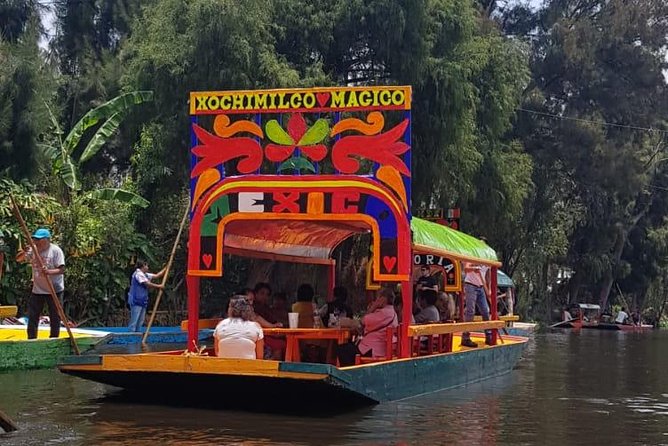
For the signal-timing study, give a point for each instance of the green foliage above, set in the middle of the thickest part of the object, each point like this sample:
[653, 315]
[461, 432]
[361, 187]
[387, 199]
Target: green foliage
[551, 195]
[111, 113]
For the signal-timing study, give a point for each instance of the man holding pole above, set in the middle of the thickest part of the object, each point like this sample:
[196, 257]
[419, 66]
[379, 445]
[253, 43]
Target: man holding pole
[476, 291]
[53, 271]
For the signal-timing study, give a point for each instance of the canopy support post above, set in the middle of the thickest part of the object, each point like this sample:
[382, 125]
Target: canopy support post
[192, 284]
[495, 309]
[331, 277]
[406, 315]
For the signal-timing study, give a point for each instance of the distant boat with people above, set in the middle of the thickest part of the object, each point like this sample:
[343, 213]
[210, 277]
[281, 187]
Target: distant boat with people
[589, 316]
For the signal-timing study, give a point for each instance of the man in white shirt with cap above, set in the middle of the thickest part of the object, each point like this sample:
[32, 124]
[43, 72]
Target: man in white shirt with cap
[54, 268]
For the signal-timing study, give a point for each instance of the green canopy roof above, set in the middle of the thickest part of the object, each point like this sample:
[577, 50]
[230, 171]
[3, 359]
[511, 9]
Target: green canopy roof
[428, 235]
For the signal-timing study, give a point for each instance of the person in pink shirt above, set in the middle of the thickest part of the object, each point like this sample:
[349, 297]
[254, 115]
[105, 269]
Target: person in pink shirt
[380, 315]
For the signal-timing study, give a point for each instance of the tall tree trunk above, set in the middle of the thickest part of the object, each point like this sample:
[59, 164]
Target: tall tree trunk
[609, 278]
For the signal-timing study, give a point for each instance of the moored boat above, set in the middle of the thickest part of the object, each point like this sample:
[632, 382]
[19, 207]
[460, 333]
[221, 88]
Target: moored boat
[254, 208]
[17, 352]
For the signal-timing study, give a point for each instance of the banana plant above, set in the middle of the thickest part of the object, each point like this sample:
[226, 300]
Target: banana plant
[110, 115]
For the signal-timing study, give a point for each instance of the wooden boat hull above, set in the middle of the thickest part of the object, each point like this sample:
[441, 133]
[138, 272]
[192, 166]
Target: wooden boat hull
[16, 352]
[234, 383]
[619, 327]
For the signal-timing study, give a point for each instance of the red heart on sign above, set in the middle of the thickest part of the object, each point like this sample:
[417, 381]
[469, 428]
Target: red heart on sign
[389, 262]
[207, 259]
[323, 98]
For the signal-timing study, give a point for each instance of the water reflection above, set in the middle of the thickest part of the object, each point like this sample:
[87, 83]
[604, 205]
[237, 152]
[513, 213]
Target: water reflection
[588, 387]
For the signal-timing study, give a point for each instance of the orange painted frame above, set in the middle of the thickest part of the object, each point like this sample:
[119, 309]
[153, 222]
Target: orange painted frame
[238, 184]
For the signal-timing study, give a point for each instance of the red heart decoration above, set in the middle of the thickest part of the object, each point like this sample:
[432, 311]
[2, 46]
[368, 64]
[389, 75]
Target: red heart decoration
[389, 262]
[207, 259]
[323, 98]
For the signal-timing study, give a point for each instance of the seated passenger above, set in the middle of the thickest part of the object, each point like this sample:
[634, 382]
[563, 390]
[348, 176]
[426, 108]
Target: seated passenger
[250, 296]
[380, 315]
[239, 336]
[305, 305]
[446, 307]
[279, 308]
[622, 317]
[566, 315]
[428, 312]
[337, 306]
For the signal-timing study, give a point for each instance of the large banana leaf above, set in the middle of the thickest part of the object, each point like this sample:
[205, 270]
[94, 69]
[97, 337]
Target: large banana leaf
[50, 152]
[121, 195]
[117, 105]
[68, 172]
[103, 134]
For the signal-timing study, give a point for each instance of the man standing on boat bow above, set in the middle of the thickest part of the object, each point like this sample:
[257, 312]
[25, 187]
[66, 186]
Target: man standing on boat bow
[476, 291]
[54, 267]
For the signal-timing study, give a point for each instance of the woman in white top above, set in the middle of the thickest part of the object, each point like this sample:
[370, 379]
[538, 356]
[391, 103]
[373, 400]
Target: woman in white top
[239, 336]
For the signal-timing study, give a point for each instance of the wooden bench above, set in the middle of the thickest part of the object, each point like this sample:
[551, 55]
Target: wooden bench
[438, 329]
[439, 337]
[8, 311]
[390, 347]
[202, 323]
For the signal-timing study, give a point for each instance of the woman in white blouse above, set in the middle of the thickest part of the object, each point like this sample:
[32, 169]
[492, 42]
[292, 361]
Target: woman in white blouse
[238, 336]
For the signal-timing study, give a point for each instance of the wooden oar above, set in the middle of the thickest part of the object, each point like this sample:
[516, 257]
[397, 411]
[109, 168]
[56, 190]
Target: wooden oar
[166, 275]
[560, 323]
[6, 423]
[40, 261]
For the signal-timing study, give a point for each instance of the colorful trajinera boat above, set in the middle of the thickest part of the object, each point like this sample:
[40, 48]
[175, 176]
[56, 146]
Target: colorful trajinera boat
[288, 175]
[17, 352]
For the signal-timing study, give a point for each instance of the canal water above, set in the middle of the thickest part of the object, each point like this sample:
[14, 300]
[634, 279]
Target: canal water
[599, 388]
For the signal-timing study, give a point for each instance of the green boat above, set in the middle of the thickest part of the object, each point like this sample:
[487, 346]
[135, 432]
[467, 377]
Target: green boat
[17, 352]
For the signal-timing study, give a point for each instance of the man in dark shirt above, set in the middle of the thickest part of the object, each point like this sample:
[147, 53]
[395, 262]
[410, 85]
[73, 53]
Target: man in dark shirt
[426, 280]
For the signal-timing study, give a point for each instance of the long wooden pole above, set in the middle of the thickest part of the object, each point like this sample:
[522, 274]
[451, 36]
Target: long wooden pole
[166, 275]
[52, 290]
[6, 423]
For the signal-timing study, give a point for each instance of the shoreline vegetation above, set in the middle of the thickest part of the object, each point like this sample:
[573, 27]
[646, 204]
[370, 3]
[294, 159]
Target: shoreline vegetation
[546, 127]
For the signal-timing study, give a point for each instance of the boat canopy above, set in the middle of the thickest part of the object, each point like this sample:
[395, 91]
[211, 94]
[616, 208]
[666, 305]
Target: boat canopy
[297, 239]
[503, 280]
[589, 306]
[434, 237]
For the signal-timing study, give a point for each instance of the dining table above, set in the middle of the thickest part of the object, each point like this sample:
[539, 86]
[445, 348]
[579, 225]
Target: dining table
[294, 335]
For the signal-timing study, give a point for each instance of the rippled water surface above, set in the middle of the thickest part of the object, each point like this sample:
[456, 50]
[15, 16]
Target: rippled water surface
[587, 388]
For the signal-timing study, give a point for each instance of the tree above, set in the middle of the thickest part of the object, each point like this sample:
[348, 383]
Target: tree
[63, 154]
[598, 62]
[25, 82]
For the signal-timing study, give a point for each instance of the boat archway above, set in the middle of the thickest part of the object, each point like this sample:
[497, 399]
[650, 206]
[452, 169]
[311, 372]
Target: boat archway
[335, 209]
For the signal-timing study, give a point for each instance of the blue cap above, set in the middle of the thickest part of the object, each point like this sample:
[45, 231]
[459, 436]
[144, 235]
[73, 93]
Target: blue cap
[42, 233]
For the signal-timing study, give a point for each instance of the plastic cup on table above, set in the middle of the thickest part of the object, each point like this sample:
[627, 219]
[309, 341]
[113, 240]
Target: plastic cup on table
[293, 320]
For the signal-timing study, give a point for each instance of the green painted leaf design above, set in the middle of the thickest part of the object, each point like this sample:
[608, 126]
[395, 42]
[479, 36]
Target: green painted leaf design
[217, 211]
[297, 163]
[277, 135]
[315, 134]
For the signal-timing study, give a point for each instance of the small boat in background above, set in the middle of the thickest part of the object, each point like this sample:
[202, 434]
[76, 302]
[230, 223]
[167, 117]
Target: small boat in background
[589, 316]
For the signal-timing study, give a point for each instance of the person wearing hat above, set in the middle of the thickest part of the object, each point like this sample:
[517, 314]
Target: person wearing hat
[54, 268]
